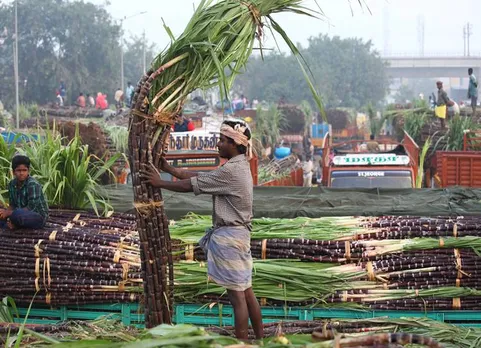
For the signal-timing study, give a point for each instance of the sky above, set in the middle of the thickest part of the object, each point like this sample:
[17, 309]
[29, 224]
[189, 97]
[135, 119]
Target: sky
[394, 26]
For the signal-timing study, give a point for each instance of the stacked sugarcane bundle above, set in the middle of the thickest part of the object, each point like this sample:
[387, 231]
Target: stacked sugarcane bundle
[424, 264]
[78, 258]
[412, 330]
[215, 45]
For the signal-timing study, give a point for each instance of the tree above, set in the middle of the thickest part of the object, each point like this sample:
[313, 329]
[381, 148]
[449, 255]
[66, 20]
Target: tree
[348, 72]
[134, 57]
[76, 42]
[404, 95]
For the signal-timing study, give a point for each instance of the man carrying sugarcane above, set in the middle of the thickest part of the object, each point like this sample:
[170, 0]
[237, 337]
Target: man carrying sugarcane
[227, 243]
[27, 205]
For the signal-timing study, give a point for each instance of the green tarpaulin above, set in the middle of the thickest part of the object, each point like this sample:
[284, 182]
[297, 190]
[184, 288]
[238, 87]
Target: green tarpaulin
[289, 202]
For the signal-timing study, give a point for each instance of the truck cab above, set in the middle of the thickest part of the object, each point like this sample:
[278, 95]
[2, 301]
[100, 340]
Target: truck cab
[344, 165]
[197, 151]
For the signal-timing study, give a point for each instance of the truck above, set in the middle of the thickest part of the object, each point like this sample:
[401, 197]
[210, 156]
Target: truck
[457, 168]
[344, 165]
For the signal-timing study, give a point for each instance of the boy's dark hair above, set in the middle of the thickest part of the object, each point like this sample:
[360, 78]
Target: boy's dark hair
[241, 148]
[470, 70]
[20, 159]
[371, 137]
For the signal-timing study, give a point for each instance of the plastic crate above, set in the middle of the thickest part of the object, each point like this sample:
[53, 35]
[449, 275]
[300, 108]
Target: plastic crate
[223, 315]
[128, 313]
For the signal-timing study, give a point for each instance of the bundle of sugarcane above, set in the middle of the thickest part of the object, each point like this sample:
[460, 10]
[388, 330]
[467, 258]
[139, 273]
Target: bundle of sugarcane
[399, 227]
[325, 330]
[192, 227]
[277, 169]
[75, 259]
[302, 249]
[288, 281]
[215, 45]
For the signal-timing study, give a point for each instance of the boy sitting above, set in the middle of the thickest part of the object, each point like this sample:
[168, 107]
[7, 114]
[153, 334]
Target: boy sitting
[28, 207]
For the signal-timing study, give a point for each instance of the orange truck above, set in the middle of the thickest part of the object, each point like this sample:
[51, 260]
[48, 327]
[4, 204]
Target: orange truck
[345, 165]
[458, 168]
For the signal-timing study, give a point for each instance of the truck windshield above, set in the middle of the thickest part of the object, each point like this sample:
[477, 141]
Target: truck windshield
[371, 179]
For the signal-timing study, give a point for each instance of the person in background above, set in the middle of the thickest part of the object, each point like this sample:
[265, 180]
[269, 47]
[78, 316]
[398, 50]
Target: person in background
[101, 101]
[90, 101]
[227, 243]
[183, 124]
[119, 98]
[63, 90]
[473, 90]
[106, 101]
[443, 99]
[372, 145]
[58, 99]
[28, 207]
[307, 168]
[129, 93]
[80, 100]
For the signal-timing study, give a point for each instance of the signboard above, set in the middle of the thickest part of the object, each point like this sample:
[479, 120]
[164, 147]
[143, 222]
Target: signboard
[370, 174]
[376, 159]
[193, 141]
[195, 162]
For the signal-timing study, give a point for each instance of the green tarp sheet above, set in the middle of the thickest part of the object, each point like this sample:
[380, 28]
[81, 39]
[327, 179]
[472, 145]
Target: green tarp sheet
[289, 202]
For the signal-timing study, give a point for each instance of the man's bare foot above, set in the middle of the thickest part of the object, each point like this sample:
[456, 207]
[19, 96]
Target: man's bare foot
[10, 225]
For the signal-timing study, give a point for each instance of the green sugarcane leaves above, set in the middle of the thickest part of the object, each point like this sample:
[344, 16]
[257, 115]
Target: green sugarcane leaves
[220, 36]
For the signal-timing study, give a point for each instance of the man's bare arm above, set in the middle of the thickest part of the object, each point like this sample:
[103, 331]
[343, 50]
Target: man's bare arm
[177, 186]
[150, 176]
[176, 172]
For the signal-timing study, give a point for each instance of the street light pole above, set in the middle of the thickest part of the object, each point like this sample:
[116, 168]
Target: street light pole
[17, 101]
[143, 53]
[121, 56]
[122, 46]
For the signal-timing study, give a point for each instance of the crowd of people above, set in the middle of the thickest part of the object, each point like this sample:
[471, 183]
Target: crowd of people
[100, 101]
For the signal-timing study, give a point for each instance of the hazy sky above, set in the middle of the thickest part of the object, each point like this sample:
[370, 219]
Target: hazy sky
[400, 19]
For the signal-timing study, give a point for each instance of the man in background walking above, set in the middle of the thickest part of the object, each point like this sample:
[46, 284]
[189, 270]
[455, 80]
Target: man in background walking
[473, 90]
[443, 100]
[129, 92]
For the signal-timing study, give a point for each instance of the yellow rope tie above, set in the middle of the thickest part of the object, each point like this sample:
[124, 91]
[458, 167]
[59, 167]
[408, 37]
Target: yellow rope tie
[68, 227]
[455, 230]
[441, 242]
[370, 271]
[344, 296]
[37, 268]
[117, 256]
[121, 286]
[76, 217]
[456, 303]
[146, 208]
[125, 271]
[47, 280]
[457, 255]
[37, 249]
[263, 249]
[189, 252]
[337, 341]
[52, 236]
[164, 118]
[347, 247]
[37, 287]
[48, 298]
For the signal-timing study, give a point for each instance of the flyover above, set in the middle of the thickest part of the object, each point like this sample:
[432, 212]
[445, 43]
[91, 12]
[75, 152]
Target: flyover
[432, 67]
